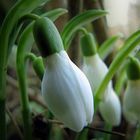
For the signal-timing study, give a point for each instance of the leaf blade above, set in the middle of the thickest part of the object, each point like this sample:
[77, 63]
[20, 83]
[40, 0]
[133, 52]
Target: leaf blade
[75, 23]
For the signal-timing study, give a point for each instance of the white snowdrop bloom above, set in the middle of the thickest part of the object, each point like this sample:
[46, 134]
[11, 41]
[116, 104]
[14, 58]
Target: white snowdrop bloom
[93, 66]
[110, 108]
[65, 88]
[95, 70]
[67, 92]
[131, 101]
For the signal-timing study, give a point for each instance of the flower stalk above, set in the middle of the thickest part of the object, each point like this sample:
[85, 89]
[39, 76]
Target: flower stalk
[15, 13]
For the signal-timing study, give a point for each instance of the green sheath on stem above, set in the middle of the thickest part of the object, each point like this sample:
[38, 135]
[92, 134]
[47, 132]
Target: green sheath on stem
[47, 37]
[133, 69]
[88, 45]
[39, 67]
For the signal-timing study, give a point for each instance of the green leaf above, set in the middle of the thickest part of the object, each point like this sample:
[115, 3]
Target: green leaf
[128, 46]
[54, 14]
[75, 23]
[107, 46]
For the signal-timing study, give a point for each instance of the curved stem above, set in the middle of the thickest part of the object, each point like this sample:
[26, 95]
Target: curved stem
[29, 16]
[25, 44]
[137, 134]
[37, 64]
[121, 79]
[83, 30]
[129, 45]
[30, 56]
[20, 9]
[77, 22]
[25, 40]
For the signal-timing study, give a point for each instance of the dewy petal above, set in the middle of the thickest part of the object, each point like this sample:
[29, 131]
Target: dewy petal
[110, 109]
[131, 101]
[67, 92]
[95, 70]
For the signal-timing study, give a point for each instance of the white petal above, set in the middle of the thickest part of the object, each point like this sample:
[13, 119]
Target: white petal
[67, 92]
[131, 101]
[110, 109]
[95, 70]
[85, 92]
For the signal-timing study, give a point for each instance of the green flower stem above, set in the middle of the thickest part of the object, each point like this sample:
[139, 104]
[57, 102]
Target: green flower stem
[121, 79]
[29, 16]
[30, 56]
[82, 135]
[21, 71]
[77, 22]
[25, 44]
[107, 46]
[108, 128]
[128, 46]
[12, 40]
[20, 9]
[37, 64]
[137, 134]
[83, 30]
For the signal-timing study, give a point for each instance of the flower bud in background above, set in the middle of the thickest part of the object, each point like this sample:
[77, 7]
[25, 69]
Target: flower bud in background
[64, 87]
[131, 100]
[94, 68]
[110, 109]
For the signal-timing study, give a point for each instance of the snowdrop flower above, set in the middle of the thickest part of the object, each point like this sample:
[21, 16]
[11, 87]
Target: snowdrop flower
[64, 87]
[110, 109]
[94, 68]
[131, 100]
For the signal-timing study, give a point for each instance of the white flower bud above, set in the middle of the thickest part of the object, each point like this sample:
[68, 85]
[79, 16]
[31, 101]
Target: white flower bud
[110, 108]
[95, 70]
[67, 92]
[131, 101]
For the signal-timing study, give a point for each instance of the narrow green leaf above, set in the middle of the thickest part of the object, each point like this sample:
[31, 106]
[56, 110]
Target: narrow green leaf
[20, 9]
[128, 46]
[75, 23]
[107, 47]
[54, 14]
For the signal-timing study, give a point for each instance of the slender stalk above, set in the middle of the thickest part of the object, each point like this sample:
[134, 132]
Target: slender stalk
[121, 79]
[37, 64]
[25, 45]
[137, 134]
[108, 128]
[17, 11]
[82, 135]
